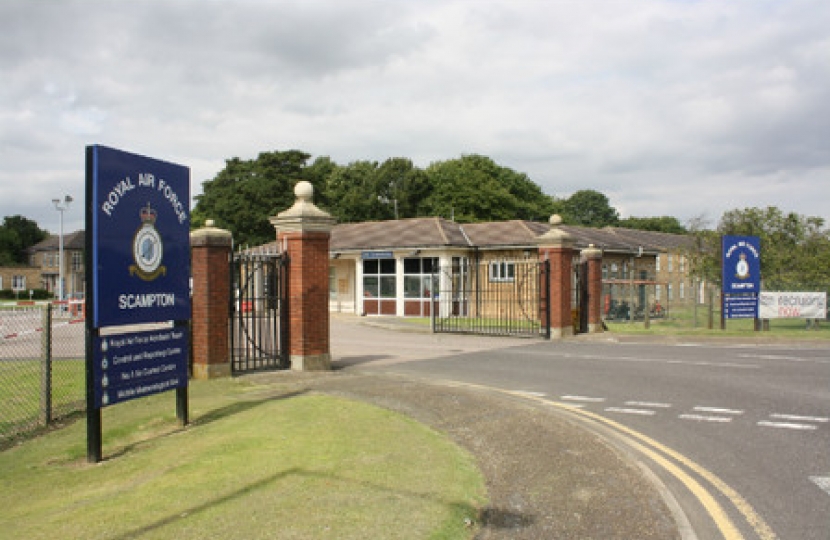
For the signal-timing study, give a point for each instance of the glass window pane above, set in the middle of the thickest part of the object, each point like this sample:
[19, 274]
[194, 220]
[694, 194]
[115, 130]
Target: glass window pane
[370, 287]
[412, 266]
[387, 286]
[370, 266]
[387, 266]
[430, 265]
[412, 287]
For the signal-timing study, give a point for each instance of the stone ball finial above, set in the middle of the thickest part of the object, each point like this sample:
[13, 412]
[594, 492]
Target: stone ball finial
[304, 191]
[555, 220]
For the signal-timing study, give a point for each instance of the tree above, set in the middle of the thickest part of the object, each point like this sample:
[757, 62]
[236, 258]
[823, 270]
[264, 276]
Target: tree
[245, 194]
[666, 224]
[588, 208]
[16, 234]
[474, 188]
[366, 191]
[795, 249]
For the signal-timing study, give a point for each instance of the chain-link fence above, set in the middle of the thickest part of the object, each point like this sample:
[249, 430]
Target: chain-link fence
[42, 368]
[691, 305]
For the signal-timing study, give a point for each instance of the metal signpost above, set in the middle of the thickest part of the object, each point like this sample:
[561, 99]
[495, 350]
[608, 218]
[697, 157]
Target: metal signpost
[741, 270]
[138, 269]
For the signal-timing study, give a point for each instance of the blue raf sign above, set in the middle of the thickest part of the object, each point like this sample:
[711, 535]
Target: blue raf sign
[140, 238]
[741, 266]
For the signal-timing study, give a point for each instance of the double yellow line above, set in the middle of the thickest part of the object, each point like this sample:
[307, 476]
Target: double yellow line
[673, 463]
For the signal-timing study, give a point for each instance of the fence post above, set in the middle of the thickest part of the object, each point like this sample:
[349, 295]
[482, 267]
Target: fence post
[46, 366]
[210, 252]
[556, 246]
[303, 232]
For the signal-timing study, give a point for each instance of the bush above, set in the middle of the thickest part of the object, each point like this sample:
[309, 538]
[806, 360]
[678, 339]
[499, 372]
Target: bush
[37, 294]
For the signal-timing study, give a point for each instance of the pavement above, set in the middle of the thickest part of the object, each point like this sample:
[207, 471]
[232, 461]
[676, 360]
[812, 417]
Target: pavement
[548, 475]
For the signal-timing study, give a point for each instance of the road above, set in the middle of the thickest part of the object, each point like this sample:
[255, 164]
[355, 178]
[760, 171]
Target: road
[746, 426]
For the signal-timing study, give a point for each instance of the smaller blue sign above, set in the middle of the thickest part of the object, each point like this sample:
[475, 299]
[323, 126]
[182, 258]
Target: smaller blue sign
[743, 306]
[138, 364]
[741, 264]
[366, 255]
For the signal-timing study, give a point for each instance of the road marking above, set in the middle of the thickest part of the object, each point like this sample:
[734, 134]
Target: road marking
[642, 412]
[648, 404]
[797, 418]
[713, 508]
[787, 425]
[586, 399]
[823, 482]
[717, 410]
[704, 418]
[531, 393]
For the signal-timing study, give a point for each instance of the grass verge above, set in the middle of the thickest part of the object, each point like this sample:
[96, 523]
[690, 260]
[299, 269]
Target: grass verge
[257, 462]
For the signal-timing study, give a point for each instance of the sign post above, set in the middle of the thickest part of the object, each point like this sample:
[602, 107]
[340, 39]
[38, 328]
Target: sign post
[741, 270]
[138, 273]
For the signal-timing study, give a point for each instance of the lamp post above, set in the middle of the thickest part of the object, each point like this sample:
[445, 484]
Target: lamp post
[61, 206]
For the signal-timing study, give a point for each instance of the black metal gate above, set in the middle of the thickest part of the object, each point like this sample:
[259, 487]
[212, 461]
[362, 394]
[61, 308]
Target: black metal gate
[497, 297]
[259, 322]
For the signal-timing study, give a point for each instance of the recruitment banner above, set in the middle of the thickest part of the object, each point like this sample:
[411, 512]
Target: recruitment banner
[792, 305]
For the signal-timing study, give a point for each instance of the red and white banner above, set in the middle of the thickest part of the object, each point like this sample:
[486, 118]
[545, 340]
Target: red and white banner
[792, 305]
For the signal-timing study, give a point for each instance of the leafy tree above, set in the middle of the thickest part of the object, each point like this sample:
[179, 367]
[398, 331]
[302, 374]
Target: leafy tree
[16, 234]
[795, 249]
[588, 208]
[366, 191]
[474, 188]
[245, 194]
[666, 224]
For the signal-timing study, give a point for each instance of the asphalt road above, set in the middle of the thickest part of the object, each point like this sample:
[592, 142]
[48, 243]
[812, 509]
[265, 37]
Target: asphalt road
[748, 425]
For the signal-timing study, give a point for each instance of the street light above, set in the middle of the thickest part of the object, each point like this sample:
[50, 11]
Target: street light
[61, 206]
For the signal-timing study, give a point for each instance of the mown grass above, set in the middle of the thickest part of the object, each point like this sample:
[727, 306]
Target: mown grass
[257, 462]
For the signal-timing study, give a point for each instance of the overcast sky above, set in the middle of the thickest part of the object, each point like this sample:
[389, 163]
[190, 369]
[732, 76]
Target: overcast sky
[684, 108]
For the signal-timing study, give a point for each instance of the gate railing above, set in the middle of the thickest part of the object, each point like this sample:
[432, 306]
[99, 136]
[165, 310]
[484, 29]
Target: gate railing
[259, 324]
[498, 297]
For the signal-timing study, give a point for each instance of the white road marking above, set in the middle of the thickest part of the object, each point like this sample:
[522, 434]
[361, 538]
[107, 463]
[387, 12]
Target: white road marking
[648, 404]
[531, 393]
[798, 418]
[787, 425]
[717, 410]
[641, 412]
[823, 482]
[703, 418]
[586, 399]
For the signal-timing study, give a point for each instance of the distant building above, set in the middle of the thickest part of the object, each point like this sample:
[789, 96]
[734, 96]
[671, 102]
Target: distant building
[43, 271]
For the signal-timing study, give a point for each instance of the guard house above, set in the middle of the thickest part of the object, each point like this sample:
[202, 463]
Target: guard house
[390, 267]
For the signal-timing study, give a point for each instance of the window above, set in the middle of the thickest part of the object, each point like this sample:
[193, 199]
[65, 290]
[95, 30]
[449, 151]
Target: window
[657, 290]
[657, 263]
[614, 269]
[682, 290]
[669, 262]
[420, 279]
[681, 260]
[332, 283]
[18, 283]
[502, 271]
[77, 261]
[625, 270]
[604, 271]
[669, 292]
[379, 278]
